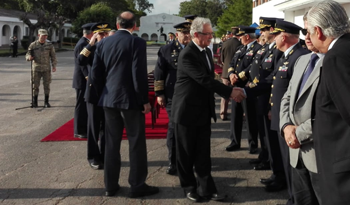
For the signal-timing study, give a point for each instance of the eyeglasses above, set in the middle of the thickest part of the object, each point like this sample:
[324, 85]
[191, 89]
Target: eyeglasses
[206, 34]
[304, 31]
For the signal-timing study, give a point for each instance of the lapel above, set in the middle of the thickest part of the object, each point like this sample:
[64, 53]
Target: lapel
[204, 59]
[313, 76]
[303, 63]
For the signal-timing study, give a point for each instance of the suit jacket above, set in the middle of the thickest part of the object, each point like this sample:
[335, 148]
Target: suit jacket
[281, 75]
[332, 124]
[296, 110]
[228, 50]
[193, 100]
[119, 71]
[80, 71]
[166, 68]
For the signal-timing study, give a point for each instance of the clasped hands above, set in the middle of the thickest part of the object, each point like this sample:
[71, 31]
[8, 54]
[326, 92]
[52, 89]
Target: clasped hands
[290, 136]
[237, 93]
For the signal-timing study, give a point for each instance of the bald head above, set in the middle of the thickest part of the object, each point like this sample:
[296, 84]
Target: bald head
[126, 20]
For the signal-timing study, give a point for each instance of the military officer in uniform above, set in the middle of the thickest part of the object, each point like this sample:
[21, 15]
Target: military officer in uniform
[228, 50]
[96, 122]
[238, 74]
[79, 83]
[171, 38]
[260, 73]
[287, 41]
[43, 55]
[165, 78]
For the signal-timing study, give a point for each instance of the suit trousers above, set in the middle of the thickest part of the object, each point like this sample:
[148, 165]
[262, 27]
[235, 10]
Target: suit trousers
[134, 123]
[170, 139]
[305, 185]
[275, 157]
[193, 150]
[248, 107]
[80, 113]
[286, 164]
[95, 133]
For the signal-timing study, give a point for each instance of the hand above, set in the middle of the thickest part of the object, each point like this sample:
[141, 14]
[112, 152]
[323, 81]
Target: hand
[237, 94]
[269, 115]
[233, 78]
[146, 108]
[93, 39]
[225, 81]
[161, 100]
[53, 69]
[290, 137]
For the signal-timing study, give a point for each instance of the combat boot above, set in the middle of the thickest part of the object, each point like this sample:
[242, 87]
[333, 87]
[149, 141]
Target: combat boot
[47, 104]
[35, 101]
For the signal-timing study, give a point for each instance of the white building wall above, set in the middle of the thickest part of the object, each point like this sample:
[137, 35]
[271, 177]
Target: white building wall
[150, 25]
[267, 10]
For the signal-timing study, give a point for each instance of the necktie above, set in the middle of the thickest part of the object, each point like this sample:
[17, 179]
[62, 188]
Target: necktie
[310, 68]
[204, 53]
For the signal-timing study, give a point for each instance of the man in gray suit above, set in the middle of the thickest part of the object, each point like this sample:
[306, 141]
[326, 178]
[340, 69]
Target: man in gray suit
[295, 124]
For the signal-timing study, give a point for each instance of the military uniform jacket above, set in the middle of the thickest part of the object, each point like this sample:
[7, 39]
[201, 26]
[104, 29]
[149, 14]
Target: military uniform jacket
[80, 71]
[44, 56]
[241, 61]
[86, 58]
[281, 76]
[166, 68]
[228, 50]
[261, 69]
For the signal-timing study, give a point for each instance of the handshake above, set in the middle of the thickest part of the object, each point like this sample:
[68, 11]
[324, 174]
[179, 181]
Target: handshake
[238, 94]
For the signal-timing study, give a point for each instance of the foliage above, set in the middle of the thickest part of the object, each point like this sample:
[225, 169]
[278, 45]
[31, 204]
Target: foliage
[99, 12]
[238, 13]
[211, 9]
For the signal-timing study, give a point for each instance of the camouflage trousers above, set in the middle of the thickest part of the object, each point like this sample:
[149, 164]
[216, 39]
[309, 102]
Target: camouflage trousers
[37, 75]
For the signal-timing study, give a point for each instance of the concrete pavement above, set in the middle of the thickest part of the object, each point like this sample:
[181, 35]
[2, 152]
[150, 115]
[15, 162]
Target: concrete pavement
[34, 172]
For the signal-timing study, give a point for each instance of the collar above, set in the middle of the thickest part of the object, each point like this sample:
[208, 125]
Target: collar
[249, 44]
[123, 29]
[200, 48]
[333, 42]
[286, 53]
[272, 44]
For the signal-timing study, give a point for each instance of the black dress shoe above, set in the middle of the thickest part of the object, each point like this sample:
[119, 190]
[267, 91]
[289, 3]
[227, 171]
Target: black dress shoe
[145, 191]
[96, 165]
[80, 136]
[262, 166]
[275, 186]
[267, 181]
[254, 161]
[253, 150]
[193, 196]
[171, 170]
[112, 192]
[215, 197]
[232, 147]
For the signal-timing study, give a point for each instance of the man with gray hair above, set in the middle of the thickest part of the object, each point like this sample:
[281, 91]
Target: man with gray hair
[192, 109]
[329, 30]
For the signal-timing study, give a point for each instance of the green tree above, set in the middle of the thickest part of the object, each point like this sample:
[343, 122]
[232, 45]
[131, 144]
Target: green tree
[99, 12]
[211, 9]
[237, 13]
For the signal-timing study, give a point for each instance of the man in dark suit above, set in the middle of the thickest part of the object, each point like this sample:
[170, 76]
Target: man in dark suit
[228, 50]
[192, 109]
[96, 122]
[329, 30]
[287, 41]
[295, 124]
[119, 72]
[165, 78]
[238, 74]
[79, 83]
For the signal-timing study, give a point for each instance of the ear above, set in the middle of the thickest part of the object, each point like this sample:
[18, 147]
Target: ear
[118, 26]
[319, 32]
[177, 34]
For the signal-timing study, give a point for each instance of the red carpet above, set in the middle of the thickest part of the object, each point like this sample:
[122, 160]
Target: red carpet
[66, 131]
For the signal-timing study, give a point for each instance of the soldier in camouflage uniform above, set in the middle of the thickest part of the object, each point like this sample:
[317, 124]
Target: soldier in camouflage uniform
[41, 53]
